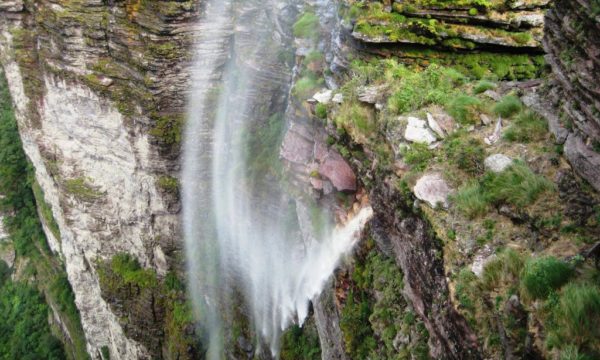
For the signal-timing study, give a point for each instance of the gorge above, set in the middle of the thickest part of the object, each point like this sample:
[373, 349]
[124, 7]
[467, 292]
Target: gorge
[299, 179]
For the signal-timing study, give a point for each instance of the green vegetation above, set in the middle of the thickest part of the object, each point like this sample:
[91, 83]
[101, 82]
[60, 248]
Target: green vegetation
[434, 85]
[168, 183]
[24, 325]
[124, 281]
[517, 186]
[168, 128]
[575, 315]
[508, 106]
[307, 26]
[375, 312]
[26, 233]
[307, 85]
[45, 210]
[418, 155]
[543, 275]
[321, 111]
[301, 343]
[81, 188]
[356, 116]
[467, 155]
[482, 86]
[465, 109]
[526, 127]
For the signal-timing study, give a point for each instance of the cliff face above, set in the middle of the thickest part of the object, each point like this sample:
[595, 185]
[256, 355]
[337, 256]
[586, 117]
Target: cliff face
[99, 91]
[573, 49]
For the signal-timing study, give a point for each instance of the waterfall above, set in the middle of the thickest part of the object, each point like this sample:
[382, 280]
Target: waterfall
[240, 223]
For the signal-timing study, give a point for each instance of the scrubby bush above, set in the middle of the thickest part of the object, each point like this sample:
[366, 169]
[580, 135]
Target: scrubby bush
[300, 343]
[543, 275]
[517, 185]
[434, 85]
[577, 315]
[418, 155]
[482, 86]
[468, 156]
[321, 111]
[508, 106]
[470, 200]
[465, 109]
[307, 26]
[526, 127]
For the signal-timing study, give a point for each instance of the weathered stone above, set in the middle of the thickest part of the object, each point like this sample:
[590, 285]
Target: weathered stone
[492, 95]
[433, 125]
[497, 162]
[495, 136]
[370, 94]
[323, 97]
[337, 170]
[296, 147]
[585, 161]
[485, 120]
[338, 98]
[432, 189]
[416, 131]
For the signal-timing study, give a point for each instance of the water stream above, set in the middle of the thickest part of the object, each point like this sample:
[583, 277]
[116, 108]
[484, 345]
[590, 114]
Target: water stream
[240, 223]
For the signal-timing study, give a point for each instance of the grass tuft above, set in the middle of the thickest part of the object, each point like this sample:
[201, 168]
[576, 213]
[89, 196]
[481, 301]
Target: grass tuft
[527, 127]
[465, 109]
[508, 106]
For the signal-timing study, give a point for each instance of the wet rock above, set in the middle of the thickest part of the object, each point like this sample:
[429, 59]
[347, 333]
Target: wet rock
[497, 162]
[585, 161]
[417, 131]
[337, 170]
[296, 147]
[323, 97]
[432, 189]
[327, 320]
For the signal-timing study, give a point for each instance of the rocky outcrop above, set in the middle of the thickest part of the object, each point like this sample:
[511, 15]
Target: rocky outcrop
[450, 25]
[419, 255]
[99, 92]
[573, 49]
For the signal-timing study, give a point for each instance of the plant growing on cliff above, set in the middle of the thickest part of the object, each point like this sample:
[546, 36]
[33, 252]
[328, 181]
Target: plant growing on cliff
[465, 109]
[307, 26]
[526, 127]
[508, 106]
[543, 275]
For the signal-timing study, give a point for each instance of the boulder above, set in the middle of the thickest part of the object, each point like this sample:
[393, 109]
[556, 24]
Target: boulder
[433, 125]
[323, 97]
[338, 98]
[416, 131]
[296, 148]
[337, 170]
[432, 189]
[370, 94]
[497, 162]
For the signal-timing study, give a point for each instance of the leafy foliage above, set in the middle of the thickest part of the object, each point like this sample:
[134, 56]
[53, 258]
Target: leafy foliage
[24, 330]
[301, 343]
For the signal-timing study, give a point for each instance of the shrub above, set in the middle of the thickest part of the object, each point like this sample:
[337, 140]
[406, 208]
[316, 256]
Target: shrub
[307, 26]
[527, 126]
[473, 12]
[504, 269]
[508, 106]
[300, 343]
[168, 183]
[470, 200]
[577, 315]
[517, 185]
[321, 111]
[418, 156]
[354, 322]
[468, 156]
[543, 275]
[434, 85]
[482, 86]
[464, 109]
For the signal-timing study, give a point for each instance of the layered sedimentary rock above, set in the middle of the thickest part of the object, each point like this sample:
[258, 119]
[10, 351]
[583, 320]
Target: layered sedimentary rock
[99, 92]
[573, 51]
[452, 25]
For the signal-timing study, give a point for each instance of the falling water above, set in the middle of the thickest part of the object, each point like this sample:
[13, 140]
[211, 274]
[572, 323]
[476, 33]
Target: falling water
[240, 223]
